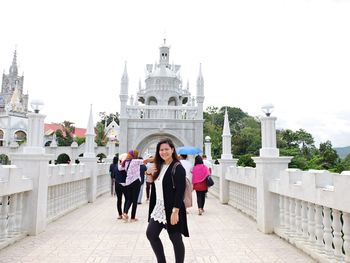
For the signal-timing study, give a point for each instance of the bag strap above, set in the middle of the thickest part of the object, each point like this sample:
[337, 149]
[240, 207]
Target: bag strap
[173, 173]
[126, 170]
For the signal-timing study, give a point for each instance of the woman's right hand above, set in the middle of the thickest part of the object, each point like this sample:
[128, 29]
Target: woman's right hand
[150, 171]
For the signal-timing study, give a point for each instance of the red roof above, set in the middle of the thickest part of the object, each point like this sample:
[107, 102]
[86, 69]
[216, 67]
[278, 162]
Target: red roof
[49, 129]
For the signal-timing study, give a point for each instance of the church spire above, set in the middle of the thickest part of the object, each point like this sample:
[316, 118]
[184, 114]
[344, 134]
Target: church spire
[200, 82]
[124, 82]
[14, 69]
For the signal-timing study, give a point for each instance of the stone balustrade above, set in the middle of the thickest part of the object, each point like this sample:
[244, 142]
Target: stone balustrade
[161, 112]
[312, 207]
[68, 187]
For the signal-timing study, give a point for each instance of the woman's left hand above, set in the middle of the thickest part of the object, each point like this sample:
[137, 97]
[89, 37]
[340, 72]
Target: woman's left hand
[174, 218]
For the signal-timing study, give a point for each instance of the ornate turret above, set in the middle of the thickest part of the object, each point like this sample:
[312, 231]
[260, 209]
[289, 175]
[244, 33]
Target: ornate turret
[124, 86]
[200, 93]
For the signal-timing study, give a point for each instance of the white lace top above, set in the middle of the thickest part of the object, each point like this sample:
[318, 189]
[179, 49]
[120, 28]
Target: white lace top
[158, 213]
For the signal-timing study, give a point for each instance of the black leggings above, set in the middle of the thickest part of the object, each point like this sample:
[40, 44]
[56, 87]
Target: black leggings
[120, 191]
[132, 194]
[201, 198]
[153, 231]
[148, 188]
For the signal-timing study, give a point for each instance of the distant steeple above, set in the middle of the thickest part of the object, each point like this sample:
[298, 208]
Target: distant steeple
[90, 136]
[14, 69]
[200, 82]
[124, 82]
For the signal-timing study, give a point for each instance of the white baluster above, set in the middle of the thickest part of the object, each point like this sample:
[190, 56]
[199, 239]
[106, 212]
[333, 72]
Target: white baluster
[298, 218]
[11, 215]
[304, 220]
[292, 216]
[319, 229]
[3, 218]
[337, 239]
[18, 215]
[281, 202]
[286, 214]
[346, 231]
[327, 236]
[311, 223]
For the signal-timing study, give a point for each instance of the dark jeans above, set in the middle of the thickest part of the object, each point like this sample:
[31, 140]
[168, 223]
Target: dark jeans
[148, 187]
[120, 191]
[132, 194]
[112, 186]
[153, 231]
[201, 198]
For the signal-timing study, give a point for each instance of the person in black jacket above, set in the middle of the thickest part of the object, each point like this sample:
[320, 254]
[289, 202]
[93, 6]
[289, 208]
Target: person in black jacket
[111, 173]
[167, 209]
[119, 177]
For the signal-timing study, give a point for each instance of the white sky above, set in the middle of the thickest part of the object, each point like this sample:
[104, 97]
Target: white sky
[294, 54]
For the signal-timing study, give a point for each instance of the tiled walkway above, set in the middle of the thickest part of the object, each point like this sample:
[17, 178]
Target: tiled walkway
[93, 234]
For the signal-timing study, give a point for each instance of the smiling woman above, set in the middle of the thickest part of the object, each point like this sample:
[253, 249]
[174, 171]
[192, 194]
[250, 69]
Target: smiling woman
[166, 209]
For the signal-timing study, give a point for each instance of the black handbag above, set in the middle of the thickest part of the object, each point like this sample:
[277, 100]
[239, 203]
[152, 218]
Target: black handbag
[210, 181]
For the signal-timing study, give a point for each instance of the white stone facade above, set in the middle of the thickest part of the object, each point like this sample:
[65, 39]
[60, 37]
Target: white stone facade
[163, 108]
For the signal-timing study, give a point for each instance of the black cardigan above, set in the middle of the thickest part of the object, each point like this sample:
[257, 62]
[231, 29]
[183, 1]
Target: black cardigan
[172, 198]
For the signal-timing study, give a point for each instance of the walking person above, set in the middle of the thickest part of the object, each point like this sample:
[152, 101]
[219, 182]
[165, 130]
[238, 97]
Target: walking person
[132, 183]
[111, 173]
[120, 177]
[167, 209]
[200, 172]
[143, 169]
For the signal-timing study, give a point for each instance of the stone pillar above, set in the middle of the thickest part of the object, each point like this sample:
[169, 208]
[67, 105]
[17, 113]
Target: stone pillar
[91, 169]
[111, 150]
[35, 165]
[224, 193]
[89, 158]
[268, 137]
[35, 138]
[225, 161]
[268, 167]
[207, 147]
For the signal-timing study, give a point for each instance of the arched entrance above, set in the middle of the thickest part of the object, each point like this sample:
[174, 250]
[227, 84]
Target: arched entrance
[147, 145]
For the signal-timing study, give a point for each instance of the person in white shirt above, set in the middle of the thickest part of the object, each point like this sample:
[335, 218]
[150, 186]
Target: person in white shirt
[207, 163]
[187, 165]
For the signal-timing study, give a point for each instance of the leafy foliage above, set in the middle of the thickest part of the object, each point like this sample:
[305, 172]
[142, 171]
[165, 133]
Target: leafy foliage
[246, 142]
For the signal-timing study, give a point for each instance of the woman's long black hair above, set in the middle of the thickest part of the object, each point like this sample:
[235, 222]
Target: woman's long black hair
[158, 161]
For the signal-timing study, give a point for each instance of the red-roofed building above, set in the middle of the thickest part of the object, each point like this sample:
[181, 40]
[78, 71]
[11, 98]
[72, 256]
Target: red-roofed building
[49, 129]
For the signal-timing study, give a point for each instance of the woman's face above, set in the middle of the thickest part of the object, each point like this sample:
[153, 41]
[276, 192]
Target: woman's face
[165, 152]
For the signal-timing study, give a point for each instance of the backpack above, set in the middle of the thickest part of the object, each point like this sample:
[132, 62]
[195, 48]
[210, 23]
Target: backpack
[188, 188]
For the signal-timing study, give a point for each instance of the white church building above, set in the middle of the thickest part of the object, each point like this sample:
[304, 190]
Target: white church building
[13, 107]
[162, 108]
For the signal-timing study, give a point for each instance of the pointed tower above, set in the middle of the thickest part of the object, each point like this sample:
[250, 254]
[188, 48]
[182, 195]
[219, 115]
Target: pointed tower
[11, 82]
[200, 93]
[226, 139]
[124, 90]
[14, 69]
[90, 138]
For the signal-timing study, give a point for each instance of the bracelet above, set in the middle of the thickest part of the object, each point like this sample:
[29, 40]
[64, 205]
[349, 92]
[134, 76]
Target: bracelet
[175, 210]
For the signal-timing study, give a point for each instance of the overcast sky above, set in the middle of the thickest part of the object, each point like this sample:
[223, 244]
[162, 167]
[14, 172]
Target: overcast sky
[294, 54]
